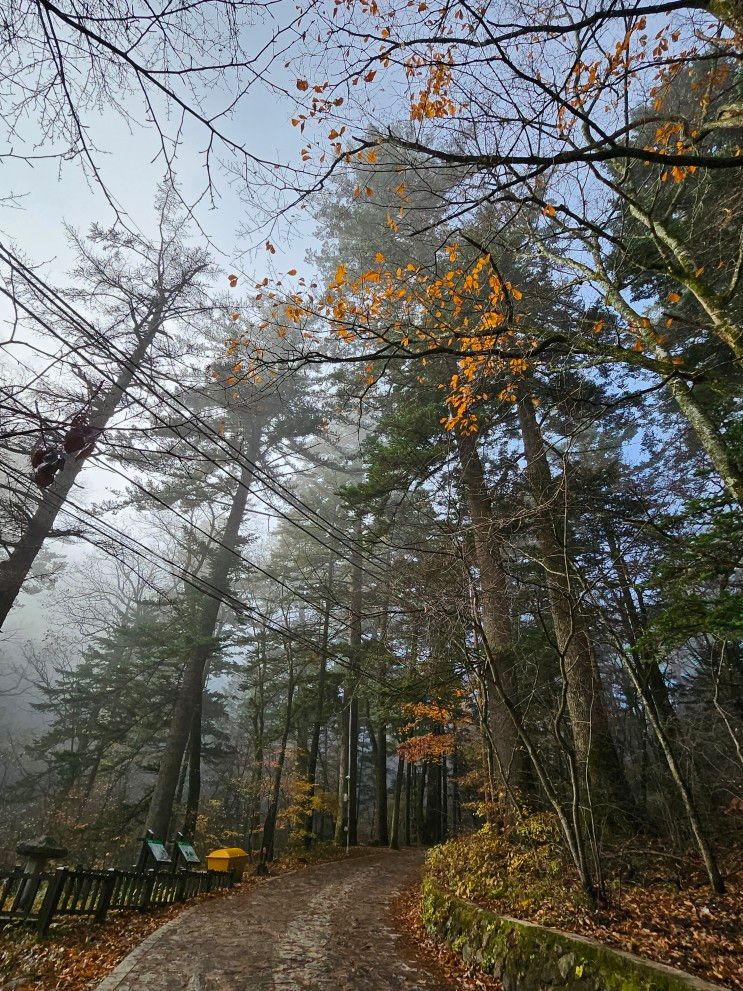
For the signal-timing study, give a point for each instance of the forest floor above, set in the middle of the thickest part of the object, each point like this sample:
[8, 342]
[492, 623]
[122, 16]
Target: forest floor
[354, 923]
[340, 925]
[79, 953]
[658, 906]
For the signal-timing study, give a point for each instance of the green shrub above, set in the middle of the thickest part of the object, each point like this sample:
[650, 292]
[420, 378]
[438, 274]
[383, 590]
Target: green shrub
[516, 864]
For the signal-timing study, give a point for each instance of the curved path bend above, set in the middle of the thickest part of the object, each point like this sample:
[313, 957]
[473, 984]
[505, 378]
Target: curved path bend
[324, 928]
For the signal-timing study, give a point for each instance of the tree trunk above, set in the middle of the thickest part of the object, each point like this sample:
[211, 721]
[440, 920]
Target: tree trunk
[432, 826]
[258, 722]
[408, 797]
[444, 798]
[341, 823]
[634, 622]
[572, 827]
[380, 770]
[496, 609]
[319, 713]
[191, 814]
[161, 804]
[456, 808]
[703, 845]
[599, 769]
[721, 454]
[355, 654]
[269, 829]
[359, 777]
[484, 696]
[395, 833]
[15, 569]
[420, 791]
[714, 445]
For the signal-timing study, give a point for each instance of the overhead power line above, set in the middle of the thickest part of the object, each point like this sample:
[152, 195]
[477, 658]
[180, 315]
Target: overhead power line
[202, 427]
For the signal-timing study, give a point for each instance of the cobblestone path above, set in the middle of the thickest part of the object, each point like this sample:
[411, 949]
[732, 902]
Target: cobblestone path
[324, 927]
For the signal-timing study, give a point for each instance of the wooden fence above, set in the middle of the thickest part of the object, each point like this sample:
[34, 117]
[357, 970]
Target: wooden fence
[39, 898]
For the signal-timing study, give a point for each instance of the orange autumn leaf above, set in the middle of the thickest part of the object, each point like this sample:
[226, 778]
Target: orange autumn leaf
[427, 746]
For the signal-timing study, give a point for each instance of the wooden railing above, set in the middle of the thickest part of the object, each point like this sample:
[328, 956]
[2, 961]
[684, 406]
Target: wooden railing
[39, 898]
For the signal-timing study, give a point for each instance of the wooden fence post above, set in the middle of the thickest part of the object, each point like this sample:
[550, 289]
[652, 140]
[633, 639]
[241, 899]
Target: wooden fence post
[147, 886]
[104, 896]
[51, 900]
[180, 886]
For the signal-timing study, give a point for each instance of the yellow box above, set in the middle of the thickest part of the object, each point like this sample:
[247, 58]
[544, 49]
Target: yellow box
[229, 859]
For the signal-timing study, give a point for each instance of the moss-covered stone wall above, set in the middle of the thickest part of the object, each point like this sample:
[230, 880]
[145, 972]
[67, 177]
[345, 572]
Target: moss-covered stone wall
[528, 957]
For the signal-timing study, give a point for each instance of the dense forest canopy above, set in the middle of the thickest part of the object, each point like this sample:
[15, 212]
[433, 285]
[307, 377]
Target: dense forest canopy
[403, 496]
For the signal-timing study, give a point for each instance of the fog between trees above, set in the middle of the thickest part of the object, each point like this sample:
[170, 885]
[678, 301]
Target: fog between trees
[436, 524]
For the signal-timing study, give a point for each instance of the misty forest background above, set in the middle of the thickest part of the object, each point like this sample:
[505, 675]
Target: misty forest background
[417, 505]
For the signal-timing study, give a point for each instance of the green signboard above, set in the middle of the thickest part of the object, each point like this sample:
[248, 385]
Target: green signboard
[188, 853]
[158, 851]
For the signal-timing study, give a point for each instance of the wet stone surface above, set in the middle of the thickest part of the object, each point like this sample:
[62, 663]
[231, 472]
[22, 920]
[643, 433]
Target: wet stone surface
[324, 927]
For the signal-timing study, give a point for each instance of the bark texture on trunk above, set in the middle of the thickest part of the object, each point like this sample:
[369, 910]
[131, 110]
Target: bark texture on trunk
[355, 655]
[600, 771]
[713, 443]
[719, 453]
[191, 687]
[408, 799]
[341, 823]
[432, 827]
[700, 835]
[634, 621]
[269, 828]
[191, 814]
[396, 807]
[420, 790]
[258, 721]
[444, 797]
[319, 713]
[496, 610]
[380, 773]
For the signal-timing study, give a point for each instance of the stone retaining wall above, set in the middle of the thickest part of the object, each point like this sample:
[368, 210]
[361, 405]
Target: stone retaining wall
[528, 957]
